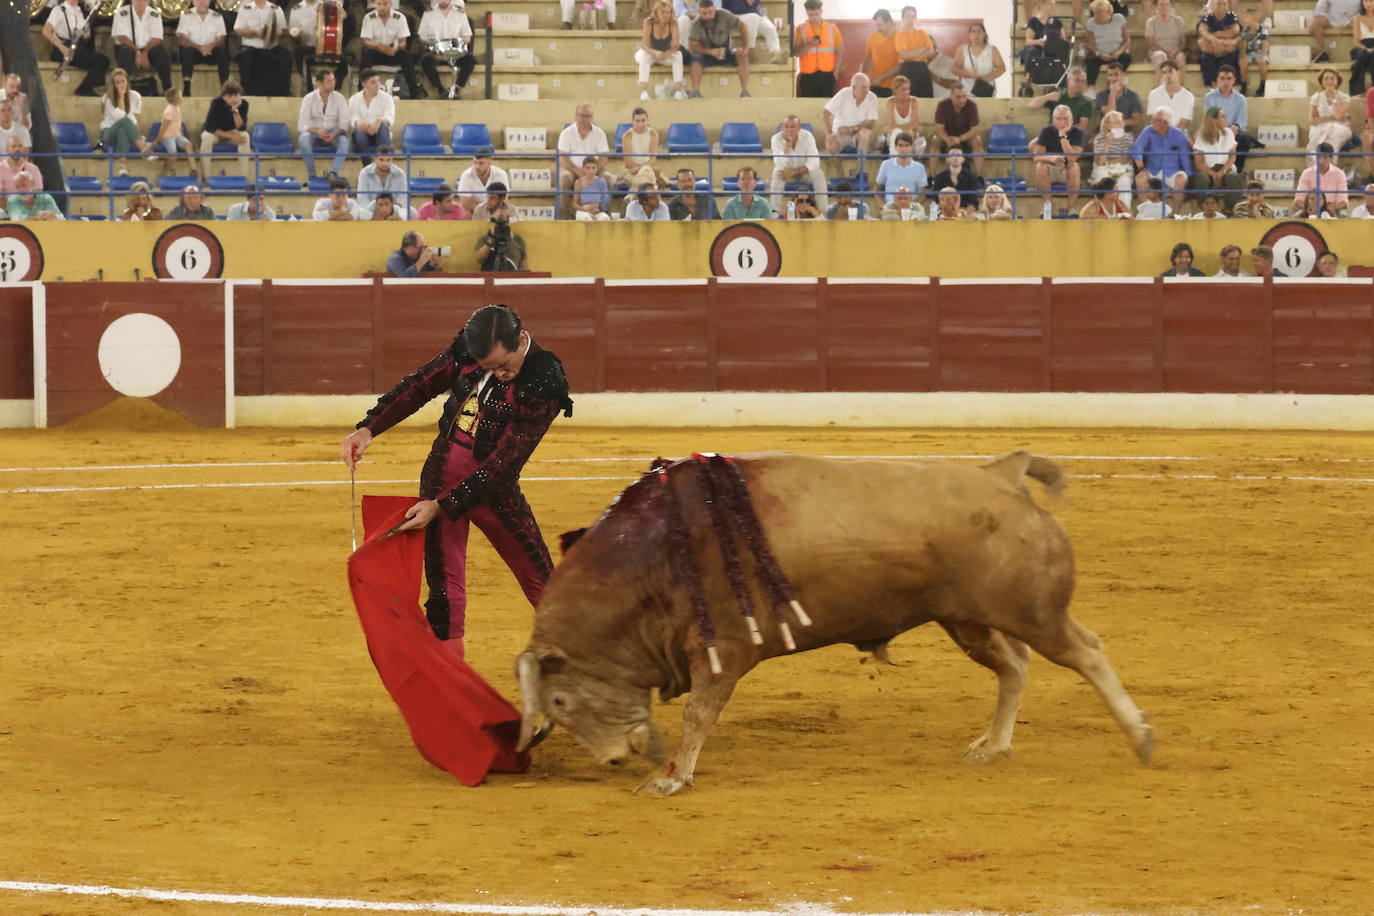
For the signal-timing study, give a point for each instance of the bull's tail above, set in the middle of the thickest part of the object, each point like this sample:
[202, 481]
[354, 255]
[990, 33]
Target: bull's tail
[1013, 468]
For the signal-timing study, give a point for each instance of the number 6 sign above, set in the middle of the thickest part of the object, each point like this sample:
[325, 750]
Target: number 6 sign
[188, 252]
[745, 250]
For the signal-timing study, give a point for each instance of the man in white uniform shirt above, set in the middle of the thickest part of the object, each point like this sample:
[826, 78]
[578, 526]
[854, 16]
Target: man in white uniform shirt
[371, 112]
[68, 30]
[203, 40]
[577, 140]
[137, 34]
[1174, 96]
[304, 23]
[472, 184]
[323, 122]
[264, 65]
[796, 160]
[447, 22]
[384, 34]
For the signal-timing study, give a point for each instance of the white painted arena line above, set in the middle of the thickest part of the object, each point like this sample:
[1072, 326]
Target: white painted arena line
[383, 906]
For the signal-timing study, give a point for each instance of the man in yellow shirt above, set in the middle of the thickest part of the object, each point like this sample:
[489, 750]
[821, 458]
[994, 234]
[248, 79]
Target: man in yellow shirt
[881, 62]
[916, 50]
[819, 49]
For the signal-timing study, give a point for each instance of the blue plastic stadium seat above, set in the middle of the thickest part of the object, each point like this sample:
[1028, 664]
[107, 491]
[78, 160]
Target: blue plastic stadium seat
[272, 137]
[72, 137]
[467, 138]
[687, 137]
[176, 183]
[422, 140]
[857, 182]
[84, 184]
[730, 185]
[425, 185]
[120, 184]
[318, 185]
[1010, 184]
[155, 132]
[284, 184]
[220, 149]
[740, 137]
[228, 183]
[620, 131]
[1005, 139]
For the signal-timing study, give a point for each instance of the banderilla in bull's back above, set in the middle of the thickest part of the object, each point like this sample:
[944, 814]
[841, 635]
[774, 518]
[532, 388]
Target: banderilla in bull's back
[664, 591]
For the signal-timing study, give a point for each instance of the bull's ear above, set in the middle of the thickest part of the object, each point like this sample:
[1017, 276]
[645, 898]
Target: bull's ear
[551, 659]
[569, 538]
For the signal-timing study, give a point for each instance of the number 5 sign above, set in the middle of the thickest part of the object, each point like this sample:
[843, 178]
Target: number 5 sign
[188, 252]
[745, 250]
[21, 257]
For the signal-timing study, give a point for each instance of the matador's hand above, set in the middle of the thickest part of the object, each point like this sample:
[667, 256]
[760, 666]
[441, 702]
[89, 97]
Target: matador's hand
[354, 444]
[420, 515]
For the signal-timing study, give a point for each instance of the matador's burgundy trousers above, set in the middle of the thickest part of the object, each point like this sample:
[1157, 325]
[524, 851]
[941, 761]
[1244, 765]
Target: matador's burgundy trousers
[509, 525]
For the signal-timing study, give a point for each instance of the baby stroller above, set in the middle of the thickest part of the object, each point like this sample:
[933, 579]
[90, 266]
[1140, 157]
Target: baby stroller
[1047, 68]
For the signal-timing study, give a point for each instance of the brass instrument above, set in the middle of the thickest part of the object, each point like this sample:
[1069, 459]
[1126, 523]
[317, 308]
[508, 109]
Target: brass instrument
[106, 7]
[169, 9]
[228, 6]
[36, 7]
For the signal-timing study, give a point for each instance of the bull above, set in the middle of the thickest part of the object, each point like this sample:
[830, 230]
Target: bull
[850, 551]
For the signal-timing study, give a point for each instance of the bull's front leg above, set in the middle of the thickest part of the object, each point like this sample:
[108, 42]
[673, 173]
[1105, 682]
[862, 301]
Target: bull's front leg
[710, 692]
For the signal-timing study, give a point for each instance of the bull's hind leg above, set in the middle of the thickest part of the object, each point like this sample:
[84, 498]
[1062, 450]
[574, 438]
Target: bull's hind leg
[1077, 647]
[1009, 659]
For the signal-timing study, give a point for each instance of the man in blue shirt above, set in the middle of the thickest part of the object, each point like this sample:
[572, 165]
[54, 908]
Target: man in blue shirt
[412, 258]
[1237, 111]
[901, 171]
[1163, 152]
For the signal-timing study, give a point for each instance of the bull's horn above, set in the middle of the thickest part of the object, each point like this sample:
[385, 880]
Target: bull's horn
[532, 728]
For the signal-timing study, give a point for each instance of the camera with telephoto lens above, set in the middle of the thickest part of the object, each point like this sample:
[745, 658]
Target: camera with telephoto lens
[500, 229]
[441, 251]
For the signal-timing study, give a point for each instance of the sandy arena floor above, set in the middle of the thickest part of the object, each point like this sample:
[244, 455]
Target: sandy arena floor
[186, 701]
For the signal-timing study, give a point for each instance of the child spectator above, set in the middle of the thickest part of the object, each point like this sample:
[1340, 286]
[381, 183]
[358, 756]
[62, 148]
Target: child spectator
[1254, 51]
[384, 209]
[591, 198]
[1151, 206]
[171, 135]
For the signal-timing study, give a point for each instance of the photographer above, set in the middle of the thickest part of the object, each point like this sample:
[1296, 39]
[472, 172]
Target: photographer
[500, 248]
[413, 257]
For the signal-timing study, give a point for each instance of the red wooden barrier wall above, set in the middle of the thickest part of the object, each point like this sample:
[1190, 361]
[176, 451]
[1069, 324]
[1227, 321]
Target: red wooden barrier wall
[16, 342]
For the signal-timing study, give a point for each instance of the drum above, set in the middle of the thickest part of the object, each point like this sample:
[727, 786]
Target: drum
[329, 30]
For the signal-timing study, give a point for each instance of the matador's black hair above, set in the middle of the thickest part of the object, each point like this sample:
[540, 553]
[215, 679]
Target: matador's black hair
[491, 325]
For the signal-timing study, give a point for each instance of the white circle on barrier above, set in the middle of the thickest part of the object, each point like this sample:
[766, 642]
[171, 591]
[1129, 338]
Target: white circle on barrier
[140, 354]
[188, 258]
[1294, 256]
[745, 257]
[15, 260]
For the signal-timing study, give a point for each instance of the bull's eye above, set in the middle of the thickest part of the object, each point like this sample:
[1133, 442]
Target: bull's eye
[558, 702]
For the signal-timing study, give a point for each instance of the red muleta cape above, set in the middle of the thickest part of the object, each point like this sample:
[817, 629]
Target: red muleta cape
[458, 721]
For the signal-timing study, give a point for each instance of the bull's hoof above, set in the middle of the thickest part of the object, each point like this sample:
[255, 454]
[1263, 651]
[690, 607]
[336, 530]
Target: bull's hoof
[663, 785]
[1146, 746]
[981, 752]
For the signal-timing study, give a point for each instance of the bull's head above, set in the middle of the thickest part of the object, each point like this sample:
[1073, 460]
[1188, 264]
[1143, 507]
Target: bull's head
[609, 720]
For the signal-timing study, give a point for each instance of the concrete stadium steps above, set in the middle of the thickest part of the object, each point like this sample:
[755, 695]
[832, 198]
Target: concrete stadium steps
[561, 47]
[621, 81]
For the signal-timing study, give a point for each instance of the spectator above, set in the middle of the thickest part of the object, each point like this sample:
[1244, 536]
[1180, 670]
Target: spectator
[382, 175]
[1112, 156]
[264, 65]
[1056, 153]
[819, 49]
[443, 206]
[473, 183]
[1329, 114]
[568, 6]
[497, 197]
[1214, 158]
[1120, 97]
[137, 35]
[1079, 103]
[687, 202]
[1151, 205]
[903, 116]
[226, 122]
[1329, 13]
[796, 160]
[337, 206]
[192, 205]
[1254, 51]
[1237, 111]
[140, 205]
[658, 45]
[27, 202]
[1329, 266]
[710, 46]
[746, 204]
[591, 194]
[1163, 152]
[250, 208]
[118, 120]
[901, 170]
[804, 206]
[1367, 137]
[1262, 262]
[881, 61]
[1210, 208]
[1362, 50]
[850, 118]
[995, 205]
[1322, 188]
[447, 22]
[171, 135]
[1165, 37]
[323, 122]
[577, 140]
[947, 206]
[371, 113]
[1253, 206]
[647, 206]
[1366, 209]
[384, 34]
[756, 22]
[845, 206]
[1182, 260]
[383, 209]
[203, 39]
[685, 11]
[902, 206]
[15, 164]
[639, 152]
[1218, 40]
[916, 50]
[979, 63]
[967, 182]
[413, 258]
[501, 248]
[68, 30]
[956, 123]
[1107, 39]
[1174, 96]
[1106, 202]
[1230, 263]
[11, 89]
[1045, 39]
[304, 20]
